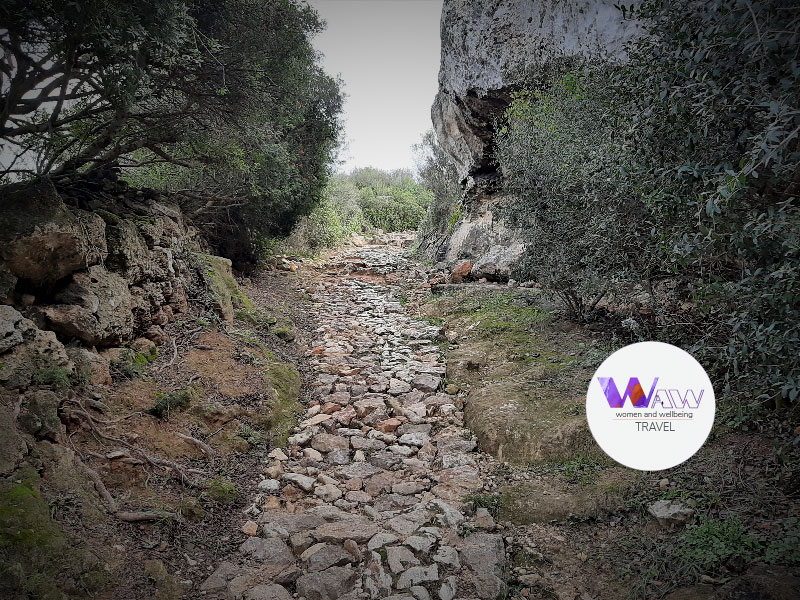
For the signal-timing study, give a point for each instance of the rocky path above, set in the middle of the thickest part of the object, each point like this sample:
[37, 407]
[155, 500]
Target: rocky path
[367, 499]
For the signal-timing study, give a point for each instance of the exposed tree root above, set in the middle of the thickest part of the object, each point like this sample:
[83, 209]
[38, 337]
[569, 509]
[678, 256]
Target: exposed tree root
[79, 413]
[202, 446]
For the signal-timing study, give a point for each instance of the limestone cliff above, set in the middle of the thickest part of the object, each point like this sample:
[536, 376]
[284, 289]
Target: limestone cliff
[490, 49]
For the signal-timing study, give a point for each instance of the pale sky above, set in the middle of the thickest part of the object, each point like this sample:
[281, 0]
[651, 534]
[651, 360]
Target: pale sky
[387, 53]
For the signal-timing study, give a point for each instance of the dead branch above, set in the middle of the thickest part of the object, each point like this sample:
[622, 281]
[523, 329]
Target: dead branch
[174, 355]
[144, 515]
[100, 487]
[202, 446]
[151, 460]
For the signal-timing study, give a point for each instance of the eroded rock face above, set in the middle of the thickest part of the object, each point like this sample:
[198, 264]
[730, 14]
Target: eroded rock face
[95, 307]
[41, 240]
[24, 348]
[489, 50]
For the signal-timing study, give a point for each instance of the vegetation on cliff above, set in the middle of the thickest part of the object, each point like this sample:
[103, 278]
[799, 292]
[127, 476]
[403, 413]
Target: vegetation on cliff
[674, 173]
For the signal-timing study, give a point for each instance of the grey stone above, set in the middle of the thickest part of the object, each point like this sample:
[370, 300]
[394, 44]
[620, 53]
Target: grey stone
[267, 592]
[447, 556]
[330, 584]
[304, 482]
[482, 558]
[400, 558]
[355, 528]
[448, 589]
[326, 442]
[269, 485]
[379, 540]
[670, 512]
[218, 580]
[426, 382]
[273, 551]
[416, 575]
[322, 556]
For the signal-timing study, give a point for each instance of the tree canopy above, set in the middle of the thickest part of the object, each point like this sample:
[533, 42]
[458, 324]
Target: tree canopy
[224, 101]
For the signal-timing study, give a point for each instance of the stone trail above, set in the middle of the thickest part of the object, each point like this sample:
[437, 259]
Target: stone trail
[367, 499]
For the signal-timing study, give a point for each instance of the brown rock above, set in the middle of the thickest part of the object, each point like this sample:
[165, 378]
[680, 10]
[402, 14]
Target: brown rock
[352, 547]
[250, 528]
[460, 271]
[156, 334]
[388, 425]
[329, 584]
[95, 307]
[325, 442]
[354, 484]
[25, 349]
[92, 363]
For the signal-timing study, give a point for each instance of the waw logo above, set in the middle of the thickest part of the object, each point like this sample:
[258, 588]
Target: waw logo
[663, 397]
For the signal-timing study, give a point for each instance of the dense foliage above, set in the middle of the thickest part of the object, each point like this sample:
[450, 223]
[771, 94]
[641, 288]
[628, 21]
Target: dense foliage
[437, 172]
[223, 101]
[676, 175]
[364, 201]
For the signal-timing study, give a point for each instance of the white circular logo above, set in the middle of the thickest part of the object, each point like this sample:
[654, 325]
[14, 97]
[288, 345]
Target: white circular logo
[650, 406]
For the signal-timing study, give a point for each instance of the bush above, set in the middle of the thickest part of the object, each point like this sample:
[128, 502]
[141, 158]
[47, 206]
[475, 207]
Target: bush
[361, 202]
[437, 172]
[166, 404]
[674, 176]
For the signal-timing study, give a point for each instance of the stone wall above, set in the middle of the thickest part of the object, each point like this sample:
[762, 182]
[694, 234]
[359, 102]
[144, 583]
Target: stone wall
[490, 49]
[92, 264]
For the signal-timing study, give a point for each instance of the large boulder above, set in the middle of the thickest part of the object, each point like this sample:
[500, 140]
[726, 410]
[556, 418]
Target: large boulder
[41, 240]
[95, 307]
[127, 250]
[40, 416]
[489, 51]
[492, 48]
[25, 350]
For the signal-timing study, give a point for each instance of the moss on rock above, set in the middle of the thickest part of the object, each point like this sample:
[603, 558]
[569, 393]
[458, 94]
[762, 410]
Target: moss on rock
[285, 384]
[37, 559]
[227, 295]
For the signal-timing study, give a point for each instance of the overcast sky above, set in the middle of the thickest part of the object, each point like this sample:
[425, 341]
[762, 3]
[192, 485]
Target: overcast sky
[387, 53]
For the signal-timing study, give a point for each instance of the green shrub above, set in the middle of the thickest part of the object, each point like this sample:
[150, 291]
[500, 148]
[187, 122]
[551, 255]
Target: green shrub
[133, 364]
[166, 404]
[48, 372]
[674, 176]
[713, 543]
[438, 173]
[366, 200]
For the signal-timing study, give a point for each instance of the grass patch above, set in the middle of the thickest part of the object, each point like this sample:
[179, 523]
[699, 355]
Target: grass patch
[132, 364]
[178, 401]
[582, 470]
[487, 501]
[48, 372]
[257, 317]
[281, 417]
[712, 547]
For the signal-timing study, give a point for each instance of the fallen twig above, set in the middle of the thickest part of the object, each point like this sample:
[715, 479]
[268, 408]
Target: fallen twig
[144, 515]
[204, 448]
[100, 487]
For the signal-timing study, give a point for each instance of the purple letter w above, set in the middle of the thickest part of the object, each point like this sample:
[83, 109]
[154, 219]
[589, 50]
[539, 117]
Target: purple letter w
[634, 390]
